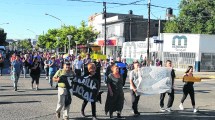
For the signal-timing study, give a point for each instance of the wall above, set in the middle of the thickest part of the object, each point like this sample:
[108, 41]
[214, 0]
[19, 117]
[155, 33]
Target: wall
[192, 44]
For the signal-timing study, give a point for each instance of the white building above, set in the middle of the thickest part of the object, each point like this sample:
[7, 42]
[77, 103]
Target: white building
[182, 49]
[189, 49]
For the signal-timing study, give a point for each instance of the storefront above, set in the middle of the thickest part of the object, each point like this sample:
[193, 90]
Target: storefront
[113, 45]
[189, 50]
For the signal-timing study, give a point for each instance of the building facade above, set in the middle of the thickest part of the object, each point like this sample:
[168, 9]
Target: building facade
[123, 28]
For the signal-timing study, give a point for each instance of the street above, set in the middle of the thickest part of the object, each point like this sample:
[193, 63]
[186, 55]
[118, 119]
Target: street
[28, 104]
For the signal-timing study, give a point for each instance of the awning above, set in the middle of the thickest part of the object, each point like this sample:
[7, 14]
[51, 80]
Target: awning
[109, 42]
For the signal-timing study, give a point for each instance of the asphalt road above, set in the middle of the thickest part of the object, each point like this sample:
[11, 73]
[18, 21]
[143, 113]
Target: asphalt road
[27, 104]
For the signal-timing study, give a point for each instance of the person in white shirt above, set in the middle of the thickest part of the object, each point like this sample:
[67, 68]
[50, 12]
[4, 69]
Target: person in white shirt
[78, 65]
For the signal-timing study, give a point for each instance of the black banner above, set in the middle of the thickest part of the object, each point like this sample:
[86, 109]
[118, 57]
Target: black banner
[85, 88]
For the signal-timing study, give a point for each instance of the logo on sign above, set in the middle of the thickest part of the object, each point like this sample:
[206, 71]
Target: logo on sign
[179, 43]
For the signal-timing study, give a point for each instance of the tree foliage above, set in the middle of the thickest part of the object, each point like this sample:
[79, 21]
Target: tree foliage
[195, 16]
[25, 44]
[83, 34]
[3, 36]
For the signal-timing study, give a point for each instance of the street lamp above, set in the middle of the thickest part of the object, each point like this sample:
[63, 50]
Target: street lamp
[58, 39]
[55, 18]
[69, 38]
[76, 52]
[3, 23]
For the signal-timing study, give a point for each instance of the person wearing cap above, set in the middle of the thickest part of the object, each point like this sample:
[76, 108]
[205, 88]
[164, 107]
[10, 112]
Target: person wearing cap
[63, 91]
[78, 65]
[52, 69]
[133, 78]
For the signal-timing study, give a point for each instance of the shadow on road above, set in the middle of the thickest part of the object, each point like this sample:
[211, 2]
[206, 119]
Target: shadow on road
[19, 102]
[29, 95]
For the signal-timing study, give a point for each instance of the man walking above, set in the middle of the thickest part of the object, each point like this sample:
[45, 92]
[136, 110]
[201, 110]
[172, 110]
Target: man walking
[64, 94]
[78, 66]
[171, 95]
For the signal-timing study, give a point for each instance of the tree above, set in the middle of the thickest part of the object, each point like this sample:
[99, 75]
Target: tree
[3, 36]
[195, 16]
[25, 44]
[83, 34]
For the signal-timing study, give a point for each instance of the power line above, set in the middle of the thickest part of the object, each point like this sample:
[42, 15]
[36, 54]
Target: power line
[129, 3]
[115, 3]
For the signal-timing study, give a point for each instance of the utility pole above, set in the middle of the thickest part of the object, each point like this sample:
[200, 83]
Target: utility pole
[148, 33]
[104, 15]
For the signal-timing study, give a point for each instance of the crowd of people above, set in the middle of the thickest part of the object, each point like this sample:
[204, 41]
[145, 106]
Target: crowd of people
[115, 74]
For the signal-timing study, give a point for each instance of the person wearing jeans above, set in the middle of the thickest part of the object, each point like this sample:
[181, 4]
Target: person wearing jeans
[52, 69]
[133, 77]
[171, 95]
[16, 68]
[46, 67]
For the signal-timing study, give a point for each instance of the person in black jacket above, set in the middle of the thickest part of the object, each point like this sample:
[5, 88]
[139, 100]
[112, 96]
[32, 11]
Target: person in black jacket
[35, 72]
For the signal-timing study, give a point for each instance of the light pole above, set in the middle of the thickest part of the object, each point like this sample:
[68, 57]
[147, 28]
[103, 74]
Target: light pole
[55, 18]
[58, 39]
[4, 23]
[148, 32]
[69, 38]
[76, 51]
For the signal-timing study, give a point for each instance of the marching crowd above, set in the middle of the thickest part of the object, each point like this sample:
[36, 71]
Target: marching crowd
[115, 74]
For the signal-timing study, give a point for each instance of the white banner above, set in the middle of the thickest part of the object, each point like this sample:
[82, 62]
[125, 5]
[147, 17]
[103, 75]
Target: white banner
[154, 80]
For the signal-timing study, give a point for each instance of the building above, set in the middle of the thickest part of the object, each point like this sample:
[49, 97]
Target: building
[182, 49]
[122, 28]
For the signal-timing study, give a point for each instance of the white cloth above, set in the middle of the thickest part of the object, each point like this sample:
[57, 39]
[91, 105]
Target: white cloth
[154, 80]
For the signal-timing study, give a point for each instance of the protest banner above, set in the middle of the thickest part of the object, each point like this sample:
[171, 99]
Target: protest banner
[154, 80]
[85, 88]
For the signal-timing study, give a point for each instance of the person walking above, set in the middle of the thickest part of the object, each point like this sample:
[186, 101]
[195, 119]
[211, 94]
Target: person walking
[78, 66]
[46, 67]
[35, 73]
[92, 70]
[171, 95]
[52, 70]
[133, 78]
[25, 65]
[1, 63]
[16, 68]
[122, 69]
[115, 94]
[64, 94]
[188, 89]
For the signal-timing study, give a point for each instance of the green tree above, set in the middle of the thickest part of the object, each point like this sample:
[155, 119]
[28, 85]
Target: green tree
[81, 34]
[25, 44]
[195, 16]
[3, 36]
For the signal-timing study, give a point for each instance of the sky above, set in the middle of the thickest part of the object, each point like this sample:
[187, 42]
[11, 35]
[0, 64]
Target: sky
[27, 18]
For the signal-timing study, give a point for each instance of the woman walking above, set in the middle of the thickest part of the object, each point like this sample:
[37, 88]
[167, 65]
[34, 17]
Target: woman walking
[35, 72]
[115, 95]
[92, 70]
[46, 67]
[188, 89]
